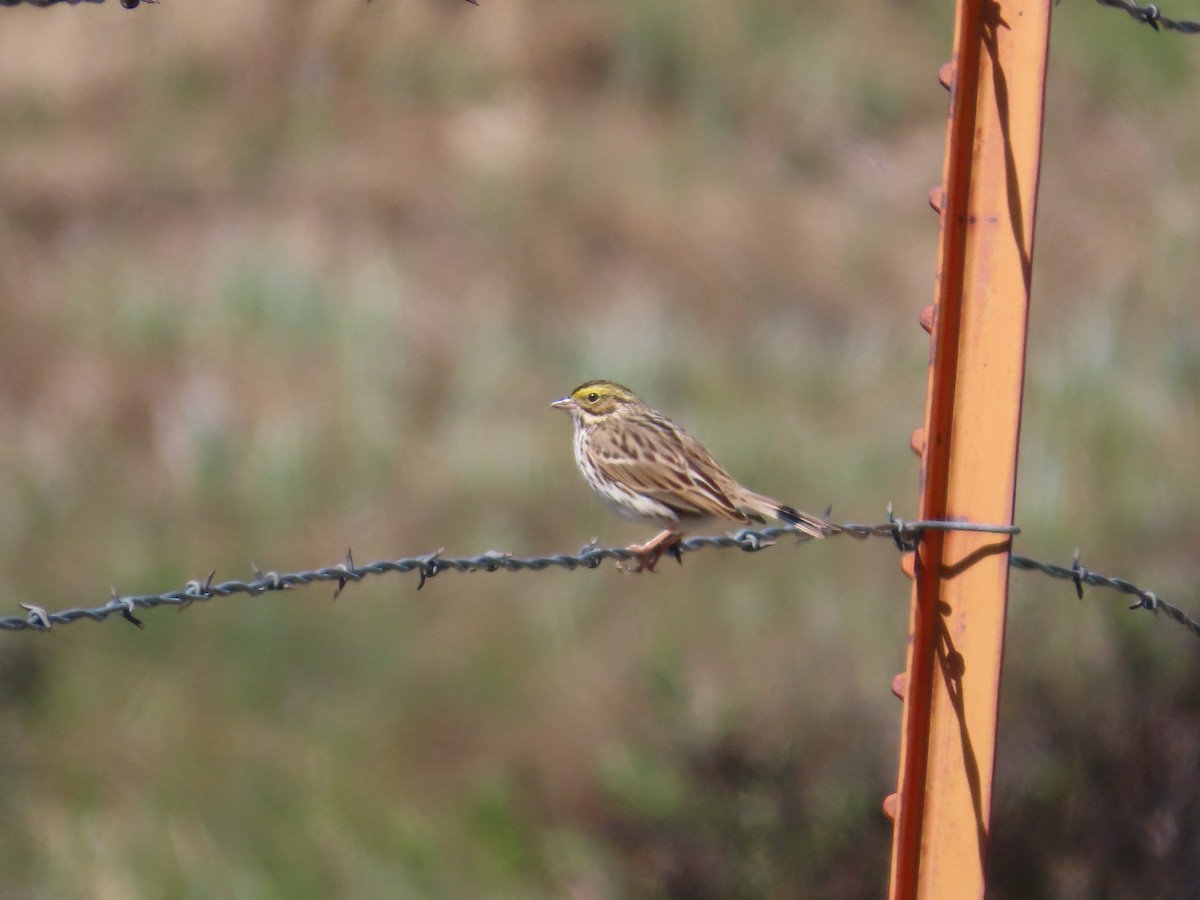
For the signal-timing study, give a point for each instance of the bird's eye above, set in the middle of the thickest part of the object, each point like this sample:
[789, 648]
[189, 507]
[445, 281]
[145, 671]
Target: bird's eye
[593, 397]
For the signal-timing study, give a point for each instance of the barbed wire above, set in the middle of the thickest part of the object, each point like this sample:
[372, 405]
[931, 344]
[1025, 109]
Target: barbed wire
[1081, 575]
[905, 535]
[1151, 15]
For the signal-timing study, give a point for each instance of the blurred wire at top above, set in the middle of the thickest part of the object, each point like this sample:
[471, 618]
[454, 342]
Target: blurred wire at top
[1151, 15]
[128, 4]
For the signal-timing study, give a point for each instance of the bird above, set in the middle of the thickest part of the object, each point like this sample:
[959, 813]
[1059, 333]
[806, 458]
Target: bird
[649, 470]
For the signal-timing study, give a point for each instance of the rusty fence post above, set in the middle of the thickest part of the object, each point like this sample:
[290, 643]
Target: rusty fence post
[968, 448]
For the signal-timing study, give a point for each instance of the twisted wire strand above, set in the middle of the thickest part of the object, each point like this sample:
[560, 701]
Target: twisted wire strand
[906, 535]
[429, 565]
[1081, 576]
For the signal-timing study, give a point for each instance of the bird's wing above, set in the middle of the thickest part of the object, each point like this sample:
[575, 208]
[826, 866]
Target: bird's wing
[680, 474]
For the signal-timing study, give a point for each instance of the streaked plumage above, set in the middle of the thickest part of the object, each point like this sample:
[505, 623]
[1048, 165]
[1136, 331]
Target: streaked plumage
[649, 470]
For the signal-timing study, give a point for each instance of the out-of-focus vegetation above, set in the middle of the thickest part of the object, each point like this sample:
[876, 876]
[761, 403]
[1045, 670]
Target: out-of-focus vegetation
[285, 277]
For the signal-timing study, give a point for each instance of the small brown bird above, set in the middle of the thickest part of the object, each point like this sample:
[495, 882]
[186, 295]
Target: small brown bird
[649, 470]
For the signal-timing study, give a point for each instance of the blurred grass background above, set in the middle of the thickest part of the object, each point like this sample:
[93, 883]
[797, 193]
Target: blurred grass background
[285, 277]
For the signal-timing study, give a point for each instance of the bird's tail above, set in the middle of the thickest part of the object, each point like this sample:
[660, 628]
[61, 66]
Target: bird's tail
[802, 521]
[757, 505]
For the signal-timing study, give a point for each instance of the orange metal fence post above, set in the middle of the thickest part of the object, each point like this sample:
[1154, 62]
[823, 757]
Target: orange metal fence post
[969, 448]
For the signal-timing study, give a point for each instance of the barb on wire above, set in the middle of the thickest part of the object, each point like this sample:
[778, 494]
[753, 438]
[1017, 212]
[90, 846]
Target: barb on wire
[1151, 15]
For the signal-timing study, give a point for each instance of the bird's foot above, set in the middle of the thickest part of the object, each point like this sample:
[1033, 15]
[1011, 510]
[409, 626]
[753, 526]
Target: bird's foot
[647, 555]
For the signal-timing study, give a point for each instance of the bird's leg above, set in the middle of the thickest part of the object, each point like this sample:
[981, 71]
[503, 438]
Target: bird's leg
[648, 553]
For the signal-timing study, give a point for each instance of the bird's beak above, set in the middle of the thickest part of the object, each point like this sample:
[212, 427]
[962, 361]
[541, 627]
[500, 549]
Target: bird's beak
[564, 403]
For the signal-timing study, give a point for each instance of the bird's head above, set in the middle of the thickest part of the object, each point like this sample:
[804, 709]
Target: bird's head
[596, 400]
